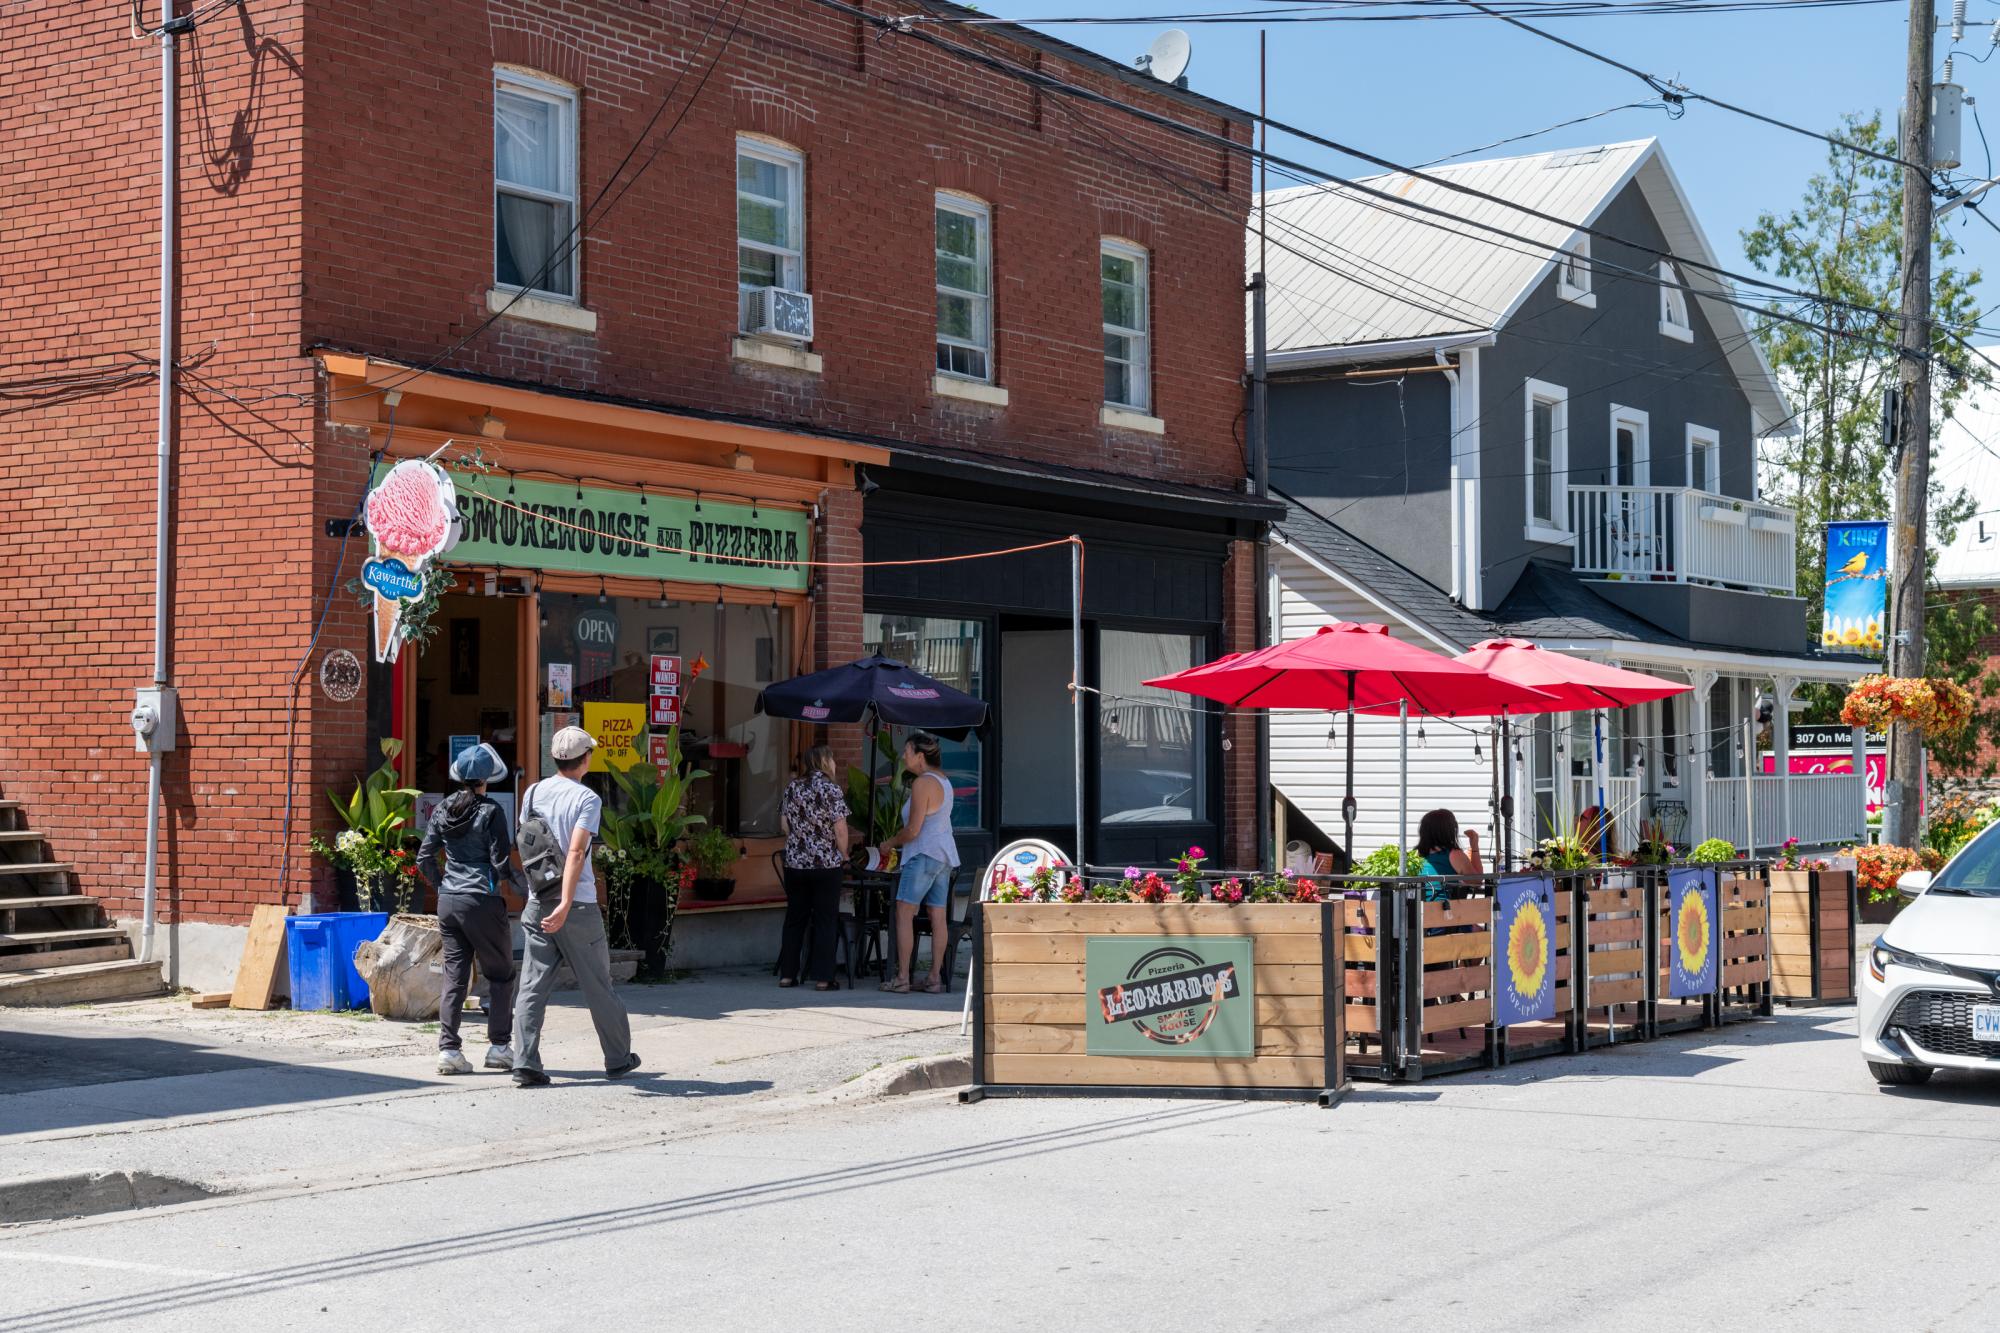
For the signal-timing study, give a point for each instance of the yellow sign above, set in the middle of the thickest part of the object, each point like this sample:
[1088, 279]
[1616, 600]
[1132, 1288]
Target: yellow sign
[620, 730]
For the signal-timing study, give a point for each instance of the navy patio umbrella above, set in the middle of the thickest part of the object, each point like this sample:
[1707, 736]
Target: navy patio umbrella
[874, 690]
[889, 690]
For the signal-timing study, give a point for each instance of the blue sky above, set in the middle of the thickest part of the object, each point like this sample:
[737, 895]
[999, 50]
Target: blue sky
[1414, 91]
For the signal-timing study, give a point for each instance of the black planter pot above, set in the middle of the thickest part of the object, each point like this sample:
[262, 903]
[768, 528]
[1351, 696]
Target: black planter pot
[713, 890]
[379, 895]
[650, 916]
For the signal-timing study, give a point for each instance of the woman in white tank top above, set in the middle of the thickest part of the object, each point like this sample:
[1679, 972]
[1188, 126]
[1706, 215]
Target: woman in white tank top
[930, 856]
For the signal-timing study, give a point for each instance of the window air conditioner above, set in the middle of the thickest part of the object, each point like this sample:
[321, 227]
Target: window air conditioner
[773, 312]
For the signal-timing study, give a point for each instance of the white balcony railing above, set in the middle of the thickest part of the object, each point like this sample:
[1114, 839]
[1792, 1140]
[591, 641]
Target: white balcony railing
[1672, 535]
[1826, 809]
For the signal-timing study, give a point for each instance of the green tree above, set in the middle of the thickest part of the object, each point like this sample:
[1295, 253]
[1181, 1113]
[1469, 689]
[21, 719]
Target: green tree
[1842, 242]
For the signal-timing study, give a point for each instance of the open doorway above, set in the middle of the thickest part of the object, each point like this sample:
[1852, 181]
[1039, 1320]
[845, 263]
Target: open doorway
[468, 692]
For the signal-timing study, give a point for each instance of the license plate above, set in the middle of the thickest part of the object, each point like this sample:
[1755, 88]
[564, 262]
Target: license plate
[1986, 1022]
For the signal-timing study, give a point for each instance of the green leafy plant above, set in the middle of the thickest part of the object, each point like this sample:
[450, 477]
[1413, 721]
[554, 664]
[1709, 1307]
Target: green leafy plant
[645, 838]
[1387, 862]
[1713, 851]
[380, 818]
[882, 815]
[713, 852]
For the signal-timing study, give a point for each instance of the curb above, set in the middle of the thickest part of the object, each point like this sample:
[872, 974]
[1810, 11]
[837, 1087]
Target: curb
[907, 1076]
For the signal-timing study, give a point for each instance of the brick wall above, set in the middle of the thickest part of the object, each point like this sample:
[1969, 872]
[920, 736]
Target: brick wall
[80, 99]
[1239, 728]
[400, 220]
[336, 165]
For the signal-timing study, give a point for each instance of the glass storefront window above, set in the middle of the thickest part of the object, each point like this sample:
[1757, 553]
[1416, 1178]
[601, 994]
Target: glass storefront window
[596, 662]
[952, 651]
[1153, 759]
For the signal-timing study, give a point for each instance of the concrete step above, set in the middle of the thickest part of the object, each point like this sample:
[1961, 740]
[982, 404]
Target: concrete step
[25, 938]
[81, 983]
[46, 900]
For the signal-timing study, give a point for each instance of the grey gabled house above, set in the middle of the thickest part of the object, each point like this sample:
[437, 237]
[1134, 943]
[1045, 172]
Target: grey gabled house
[1547, 434]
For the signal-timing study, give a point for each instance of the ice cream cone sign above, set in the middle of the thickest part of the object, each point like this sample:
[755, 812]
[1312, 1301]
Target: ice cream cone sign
[412, 518]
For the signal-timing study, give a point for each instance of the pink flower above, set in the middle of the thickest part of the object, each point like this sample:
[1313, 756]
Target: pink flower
[1132, 872]
[1196, 854]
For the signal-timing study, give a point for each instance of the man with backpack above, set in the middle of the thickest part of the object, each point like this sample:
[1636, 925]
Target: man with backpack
[563, 923]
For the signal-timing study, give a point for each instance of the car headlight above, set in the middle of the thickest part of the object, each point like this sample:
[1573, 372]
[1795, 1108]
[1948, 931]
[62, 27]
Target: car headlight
[1881, 955]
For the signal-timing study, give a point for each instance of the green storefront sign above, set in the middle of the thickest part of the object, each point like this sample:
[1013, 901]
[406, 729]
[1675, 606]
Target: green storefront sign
[616, 532]
[1174, 995]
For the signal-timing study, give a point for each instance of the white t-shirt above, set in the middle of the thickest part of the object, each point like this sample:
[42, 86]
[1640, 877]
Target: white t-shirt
[568, 805]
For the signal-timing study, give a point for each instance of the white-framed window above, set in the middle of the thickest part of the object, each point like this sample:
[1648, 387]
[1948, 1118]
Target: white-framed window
[964, 288]
[1704, 458]
[1545, 427]
[1573, 274]
[535, 244]
[770, 216]
[1127, 365]
[1631, 447]
[1674, 321]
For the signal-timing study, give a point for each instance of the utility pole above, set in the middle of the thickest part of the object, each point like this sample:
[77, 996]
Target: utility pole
[1908, 537]
[1268, 855]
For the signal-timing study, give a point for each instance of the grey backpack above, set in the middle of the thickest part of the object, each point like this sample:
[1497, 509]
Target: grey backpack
[541, 856]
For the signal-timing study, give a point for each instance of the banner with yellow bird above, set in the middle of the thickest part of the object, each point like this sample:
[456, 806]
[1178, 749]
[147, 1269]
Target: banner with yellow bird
[1524, 990]
[1857, 587]
[1695, 937]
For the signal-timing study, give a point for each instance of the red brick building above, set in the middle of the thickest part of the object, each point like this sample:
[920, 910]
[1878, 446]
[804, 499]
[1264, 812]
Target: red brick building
[1026, 321]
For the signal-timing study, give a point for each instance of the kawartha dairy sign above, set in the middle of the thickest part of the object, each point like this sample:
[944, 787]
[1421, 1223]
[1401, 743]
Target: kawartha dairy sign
[412, 518]
[523, 524]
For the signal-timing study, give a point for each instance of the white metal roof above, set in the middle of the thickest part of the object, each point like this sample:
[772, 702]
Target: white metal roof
[1967, 457]
[1350, 268]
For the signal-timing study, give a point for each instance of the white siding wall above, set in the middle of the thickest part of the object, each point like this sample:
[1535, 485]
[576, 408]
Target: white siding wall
[1311, 773]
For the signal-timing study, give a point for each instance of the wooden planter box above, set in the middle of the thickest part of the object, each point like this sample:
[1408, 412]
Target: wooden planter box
[1033, 1007]
[1813, 914]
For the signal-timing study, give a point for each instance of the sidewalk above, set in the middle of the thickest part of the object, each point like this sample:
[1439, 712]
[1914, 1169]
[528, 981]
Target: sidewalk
[238, 1100]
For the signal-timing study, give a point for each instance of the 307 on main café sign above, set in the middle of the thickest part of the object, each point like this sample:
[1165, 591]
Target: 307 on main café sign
[1181, 995]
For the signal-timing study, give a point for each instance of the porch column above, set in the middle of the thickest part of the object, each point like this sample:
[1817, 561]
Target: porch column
[1697, 767]
[1781, 751]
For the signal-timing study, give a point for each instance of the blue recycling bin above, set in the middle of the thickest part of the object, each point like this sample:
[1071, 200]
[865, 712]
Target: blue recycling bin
[321, 949]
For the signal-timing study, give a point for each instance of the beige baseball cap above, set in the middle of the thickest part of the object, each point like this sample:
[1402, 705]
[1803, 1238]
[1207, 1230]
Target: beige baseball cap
[572, 743]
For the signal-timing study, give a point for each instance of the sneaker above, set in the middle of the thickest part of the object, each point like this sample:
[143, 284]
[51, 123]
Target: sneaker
[631, 1063]
[530, 1078]
[499, 1057]
[453, 1062]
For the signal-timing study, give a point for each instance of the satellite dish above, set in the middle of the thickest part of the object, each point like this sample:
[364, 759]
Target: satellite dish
[1167, 58]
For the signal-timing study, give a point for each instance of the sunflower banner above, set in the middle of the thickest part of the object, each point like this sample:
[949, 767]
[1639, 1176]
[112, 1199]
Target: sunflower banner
[1526, 989]
[1692, 917]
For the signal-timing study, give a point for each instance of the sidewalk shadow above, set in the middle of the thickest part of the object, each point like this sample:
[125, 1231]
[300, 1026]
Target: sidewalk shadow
[721, 993]
[77, 1080]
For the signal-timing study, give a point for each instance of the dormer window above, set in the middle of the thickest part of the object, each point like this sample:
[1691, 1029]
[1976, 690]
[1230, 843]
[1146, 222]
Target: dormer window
[1573, 275]
[1674, 321]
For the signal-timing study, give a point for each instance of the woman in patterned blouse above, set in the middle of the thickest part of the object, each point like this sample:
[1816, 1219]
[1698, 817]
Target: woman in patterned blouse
[814, 819]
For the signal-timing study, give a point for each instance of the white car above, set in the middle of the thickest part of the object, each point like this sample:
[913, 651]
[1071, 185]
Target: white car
[1930, 994]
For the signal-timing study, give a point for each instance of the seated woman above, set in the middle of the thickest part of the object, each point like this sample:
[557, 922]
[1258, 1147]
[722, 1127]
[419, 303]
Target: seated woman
[1444, 861]
[1596, 832]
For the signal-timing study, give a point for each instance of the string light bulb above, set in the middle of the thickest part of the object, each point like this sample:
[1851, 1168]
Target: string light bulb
[718, 597]
[510, 483]
[601, 598]
[1422, 740]
[697, 502]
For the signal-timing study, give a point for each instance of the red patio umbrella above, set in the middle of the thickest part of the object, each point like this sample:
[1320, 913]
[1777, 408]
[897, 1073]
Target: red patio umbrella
[1569, 684]
[1348, 667]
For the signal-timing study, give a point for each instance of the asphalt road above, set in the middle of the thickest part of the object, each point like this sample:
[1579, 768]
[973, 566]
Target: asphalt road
[1752, 1178]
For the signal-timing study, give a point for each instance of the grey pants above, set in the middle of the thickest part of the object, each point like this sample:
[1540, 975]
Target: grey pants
[581, 944]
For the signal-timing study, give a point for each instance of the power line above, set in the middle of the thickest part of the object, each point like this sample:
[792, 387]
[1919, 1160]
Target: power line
[1037, 78]
[1676, 93]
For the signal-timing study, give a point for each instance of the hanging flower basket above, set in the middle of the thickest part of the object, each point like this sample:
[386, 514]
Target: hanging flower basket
[1934, 705]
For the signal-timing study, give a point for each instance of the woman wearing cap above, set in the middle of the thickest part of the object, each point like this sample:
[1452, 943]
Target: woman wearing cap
[468, 832]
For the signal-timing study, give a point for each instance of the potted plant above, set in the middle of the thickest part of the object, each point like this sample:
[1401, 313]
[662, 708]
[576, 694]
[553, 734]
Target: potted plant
[371, 855]
[1876, 870]
[877, 814]
[645, 860]
[1713, 852]
[713, 854]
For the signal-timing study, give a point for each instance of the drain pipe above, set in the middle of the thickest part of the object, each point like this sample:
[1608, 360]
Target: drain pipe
[156, 745]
